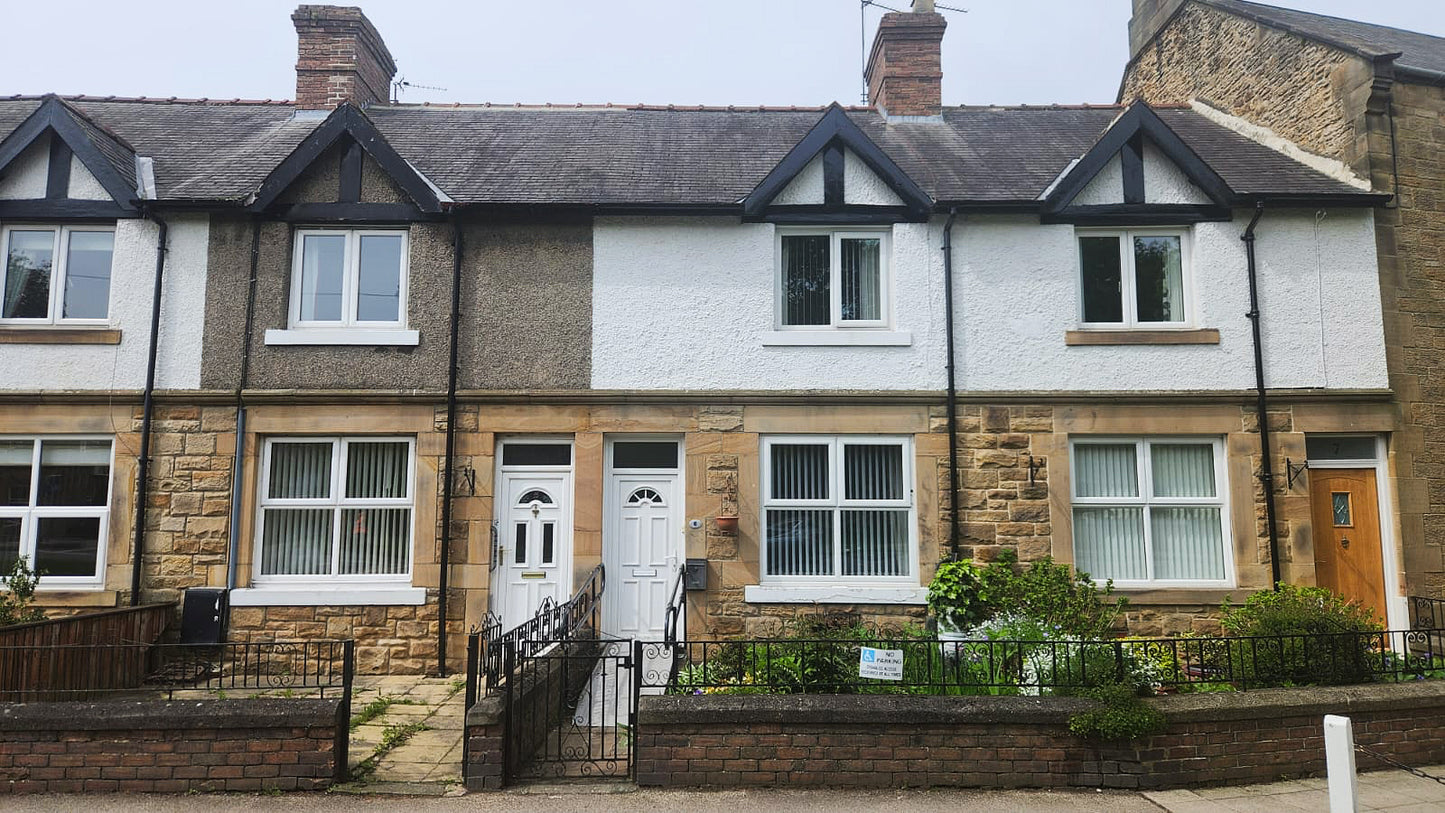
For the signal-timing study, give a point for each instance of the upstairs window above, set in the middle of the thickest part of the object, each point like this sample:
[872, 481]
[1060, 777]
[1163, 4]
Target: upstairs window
[838, 509]
[351, 277]
[833, 279]
[1134, 279]
[57, 274]
[336, 509]
[55, 507]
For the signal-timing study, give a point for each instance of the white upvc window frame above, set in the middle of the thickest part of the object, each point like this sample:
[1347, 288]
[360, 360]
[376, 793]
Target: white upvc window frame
[337, 502]
[1145, 479]
[838, 503]
[29, 514]
[59, 265]
[350, 274]
[836, 236]
[1128, 280]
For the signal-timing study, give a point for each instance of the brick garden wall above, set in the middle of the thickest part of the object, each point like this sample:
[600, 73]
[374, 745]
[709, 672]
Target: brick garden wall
[155, 746]
[1212, 739]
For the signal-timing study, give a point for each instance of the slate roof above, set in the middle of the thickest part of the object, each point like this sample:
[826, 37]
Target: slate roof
[221, 151]
[1419, 53]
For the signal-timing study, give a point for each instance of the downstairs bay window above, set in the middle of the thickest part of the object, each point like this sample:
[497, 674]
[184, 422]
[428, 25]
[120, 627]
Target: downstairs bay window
[335, 512]
[55, 508]
[1151, 511]
[838, 510]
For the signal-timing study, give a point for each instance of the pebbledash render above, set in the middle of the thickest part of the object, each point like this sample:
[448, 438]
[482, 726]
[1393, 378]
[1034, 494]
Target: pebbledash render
[662, 317]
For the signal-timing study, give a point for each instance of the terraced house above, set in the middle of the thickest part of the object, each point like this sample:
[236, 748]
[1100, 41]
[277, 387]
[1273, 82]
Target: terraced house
[385, 370]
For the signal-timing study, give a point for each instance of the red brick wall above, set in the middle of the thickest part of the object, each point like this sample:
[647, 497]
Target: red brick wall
[728, 741]
[905, 66]
[221, 745]
[340, 58]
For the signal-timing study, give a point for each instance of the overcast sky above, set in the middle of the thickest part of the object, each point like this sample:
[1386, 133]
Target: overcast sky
[802, 52]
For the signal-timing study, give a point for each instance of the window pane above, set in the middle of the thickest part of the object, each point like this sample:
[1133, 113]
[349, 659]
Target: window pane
[805, 280]
[376, 470]
[323, 264]
[87, 275]
[862, 279]
[644, 455]
[73, 472]
[28, 261]
[66, 546]
[800, 543]
[1106, 470]
[296, 542]
[800, 472]
[9, 543]
[375, 540]
[1359, 447]
[1159, 279]
[520, 543]
[1099, 262]
[1109, 542]
[872, 472]
[1188, 543]
[549, 536]
[300, 471]
[875, 543]
[378, 284]
[15, 461]
[536, 454]
[1182, 470]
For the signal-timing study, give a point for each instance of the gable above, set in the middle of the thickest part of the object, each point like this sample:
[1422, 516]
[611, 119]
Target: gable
[861, 185]
[321, 182]
[1165, 183]
[58, 163]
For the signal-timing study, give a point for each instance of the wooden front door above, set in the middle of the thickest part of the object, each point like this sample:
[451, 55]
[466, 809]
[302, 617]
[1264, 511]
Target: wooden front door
[1346, 517]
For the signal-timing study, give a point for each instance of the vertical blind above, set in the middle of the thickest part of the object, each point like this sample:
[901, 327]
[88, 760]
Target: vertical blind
[864, 531]
[358, 531]
[806, 270]
[1170, 529]
[862, 282]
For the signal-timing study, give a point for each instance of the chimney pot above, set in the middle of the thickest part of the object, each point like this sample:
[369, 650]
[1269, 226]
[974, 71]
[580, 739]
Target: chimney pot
[340, 58]
[905, 66]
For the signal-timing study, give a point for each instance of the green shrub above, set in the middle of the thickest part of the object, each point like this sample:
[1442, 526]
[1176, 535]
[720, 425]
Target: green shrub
[18, 591]
[965, 595]
[1120, 715]
[958, 595]
[1301, 636]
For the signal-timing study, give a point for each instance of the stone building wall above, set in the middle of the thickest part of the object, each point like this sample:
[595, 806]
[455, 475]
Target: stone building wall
[1338, 105]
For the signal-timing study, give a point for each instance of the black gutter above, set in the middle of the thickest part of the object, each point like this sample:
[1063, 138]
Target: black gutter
[451, 447]
[1266, 473]
[952, 387]
[147, 410]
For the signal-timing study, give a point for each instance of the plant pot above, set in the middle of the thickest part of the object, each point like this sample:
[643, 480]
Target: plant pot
[727, 525]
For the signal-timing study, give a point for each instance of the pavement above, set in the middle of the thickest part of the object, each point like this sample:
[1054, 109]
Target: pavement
[423, 754]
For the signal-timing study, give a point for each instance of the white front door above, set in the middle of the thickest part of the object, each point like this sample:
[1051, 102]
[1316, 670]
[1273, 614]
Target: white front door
[534, 542]
[643, 543]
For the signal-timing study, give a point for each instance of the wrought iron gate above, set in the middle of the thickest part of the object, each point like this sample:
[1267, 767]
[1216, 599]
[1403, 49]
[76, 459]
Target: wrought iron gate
[571, 709]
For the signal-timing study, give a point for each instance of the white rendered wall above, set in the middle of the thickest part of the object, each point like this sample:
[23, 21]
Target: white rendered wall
[1163, 182]
[1107, 186]
[860, 186]
[83, 185]
[1319, 295]
[25, 178]
[806, 188]
[122, 366]
[687, 303]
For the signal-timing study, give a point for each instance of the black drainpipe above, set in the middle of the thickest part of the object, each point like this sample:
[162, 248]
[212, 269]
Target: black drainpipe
[952, 386]
[451, 446]
[148, 407]
[238, 464]
[1266, 472]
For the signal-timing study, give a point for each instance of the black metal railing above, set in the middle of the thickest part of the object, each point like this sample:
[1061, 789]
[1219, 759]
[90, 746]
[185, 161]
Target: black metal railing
[676, 613]
[84, 672]
[553, 622]
[933, 666]
[1427, 613]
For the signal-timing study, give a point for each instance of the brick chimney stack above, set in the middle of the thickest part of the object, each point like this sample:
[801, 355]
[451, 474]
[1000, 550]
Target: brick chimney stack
[905, 67]
[340, 58]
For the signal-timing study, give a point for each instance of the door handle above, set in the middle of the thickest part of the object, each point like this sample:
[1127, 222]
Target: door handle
[1345, 542]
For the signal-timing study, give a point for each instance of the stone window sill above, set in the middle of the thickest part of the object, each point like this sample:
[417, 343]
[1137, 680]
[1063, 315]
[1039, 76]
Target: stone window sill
[837, 338]
[327, 597]
[1078, 338]
[59, 335]
[372, 337]
[834, 594]
[71, 596]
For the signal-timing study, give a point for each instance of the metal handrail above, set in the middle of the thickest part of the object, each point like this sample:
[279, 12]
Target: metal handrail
[676, 606]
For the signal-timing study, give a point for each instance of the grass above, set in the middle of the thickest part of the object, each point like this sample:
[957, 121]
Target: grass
[376, 708]
[392, 737]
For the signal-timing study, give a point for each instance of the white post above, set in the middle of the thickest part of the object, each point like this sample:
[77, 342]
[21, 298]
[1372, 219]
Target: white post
[1340, 764]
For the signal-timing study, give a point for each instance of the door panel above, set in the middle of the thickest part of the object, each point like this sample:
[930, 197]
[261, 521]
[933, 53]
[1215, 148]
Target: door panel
[642, 549]
[1345, 515]
[534, 543]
